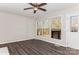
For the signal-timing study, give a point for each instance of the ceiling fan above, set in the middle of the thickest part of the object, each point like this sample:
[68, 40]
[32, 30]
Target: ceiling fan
[36, 6]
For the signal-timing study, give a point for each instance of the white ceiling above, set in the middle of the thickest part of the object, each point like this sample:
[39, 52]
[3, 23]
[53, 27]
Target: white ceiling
[17, 8]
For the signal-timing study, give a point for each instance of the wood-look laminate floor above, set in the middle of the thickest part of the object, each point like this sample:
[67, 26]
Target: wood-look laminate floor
[37, 47]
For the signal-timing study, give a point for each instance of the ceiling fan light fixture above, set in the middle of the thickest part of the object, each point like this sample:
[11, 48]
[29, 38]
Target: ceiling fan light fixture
[35, 8]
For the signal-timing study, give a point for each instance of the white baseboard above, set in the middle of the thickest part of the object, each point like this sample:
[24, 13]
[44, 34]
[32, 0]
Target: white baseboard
[17, 40]
[47, 40]
[53, 43]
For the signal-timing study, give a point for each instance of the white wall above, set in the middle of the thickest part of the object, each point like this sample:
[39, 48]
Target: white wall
[15, 28]
[68, 39]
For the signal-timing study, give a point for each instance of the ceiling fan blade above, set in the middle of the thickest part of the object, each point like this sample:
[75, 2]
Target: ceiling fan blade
[42, 4]
[32, 4]
[27, 8]
[34, 11]
[42, 9]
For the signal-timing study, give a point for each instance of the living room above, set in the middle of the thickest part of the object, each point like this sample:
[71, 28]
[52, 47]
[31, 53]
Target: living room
[39, 29]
